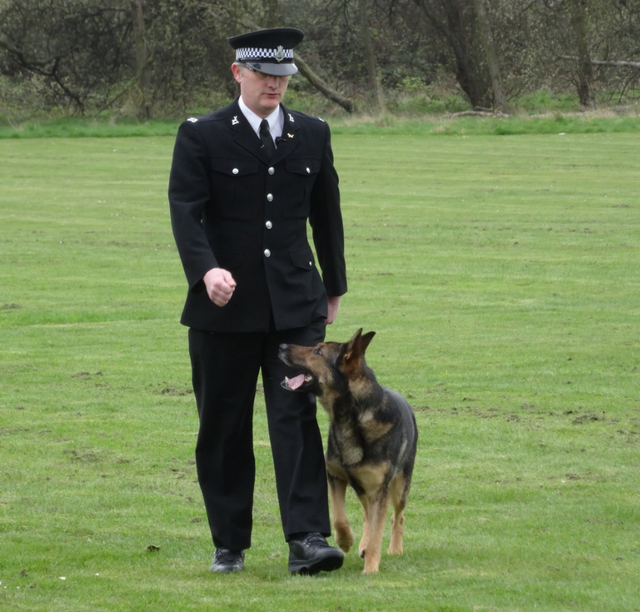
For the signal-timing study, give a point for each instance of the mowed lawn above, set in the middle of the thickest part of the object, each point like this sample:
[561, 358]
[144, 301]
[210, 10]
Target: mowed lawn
[502, 276]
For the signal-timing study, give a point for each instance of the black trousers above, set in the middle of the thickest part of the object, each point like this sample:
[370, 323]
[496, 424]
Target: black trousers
[225, 368]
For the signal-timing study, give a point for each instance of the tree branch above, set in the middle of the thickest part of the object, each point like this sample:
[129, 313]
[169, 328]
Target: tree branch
[322, 86]
[619, 64]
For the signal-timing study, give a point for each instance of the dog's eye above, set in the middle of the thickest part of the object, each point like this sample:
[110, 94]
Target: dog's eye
[317, 351]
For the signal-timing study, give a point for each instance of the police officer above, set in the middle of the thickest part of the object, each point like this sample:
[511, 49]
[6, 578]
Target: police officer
[244, 181]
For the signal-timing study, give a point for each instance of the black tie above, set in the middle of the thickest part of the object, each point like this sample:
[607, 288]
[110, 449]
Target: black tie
[265, 137]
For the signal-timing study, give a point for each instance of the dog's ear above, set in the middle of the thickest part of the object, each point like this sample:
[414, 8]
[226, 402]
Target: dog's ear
[355, 348]
[366, 340]
[346, 350]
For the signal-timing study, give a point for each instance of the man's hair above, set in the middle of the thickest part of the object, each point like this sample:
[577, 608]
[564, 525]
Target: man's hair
[243, 65]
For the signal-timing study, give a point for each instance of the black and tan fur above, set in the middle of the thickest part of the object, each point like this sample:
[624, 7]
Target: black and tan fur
[372, 439]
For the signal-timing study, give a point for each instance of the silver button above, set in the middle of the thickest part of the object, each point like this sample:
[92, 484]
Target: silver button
[308, 171]
[235, 171]
[311, 264]
[267, 253]
[271, 170]
[269, 225]
[269, 197]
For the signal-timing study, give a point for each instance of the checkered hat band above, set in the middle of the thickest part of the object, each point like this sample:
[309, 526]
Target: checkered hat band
[256, 53]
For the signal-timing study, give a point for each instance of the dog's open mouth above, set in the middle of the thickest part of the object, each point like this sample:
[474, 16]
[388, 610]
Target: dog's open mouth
[297, 382]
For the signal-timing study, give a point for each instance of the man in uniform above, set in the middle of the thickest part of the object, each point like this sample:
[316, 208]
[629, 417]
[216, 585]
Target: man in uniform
[244, 181]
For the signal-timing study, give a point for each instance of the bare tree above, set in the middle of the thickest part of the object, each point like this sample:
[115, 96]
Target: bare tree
[492, 57]
[168, 57]
[375, 90]
[456, 23]
[584, 74]
[140, 93]
[75, 50]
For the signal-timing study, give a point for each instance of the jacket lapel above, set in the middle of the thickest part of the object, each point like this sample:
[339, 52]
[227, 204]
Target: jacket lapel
[243, 133]
[289, 139]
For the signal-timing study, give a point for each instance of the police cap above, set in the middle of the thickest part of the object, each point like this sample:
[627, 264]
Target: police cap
[269, 51]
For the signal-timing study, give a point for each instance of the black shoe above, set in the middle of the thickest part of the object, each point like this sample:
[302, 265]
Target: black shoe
[311, 554]
[226, 561]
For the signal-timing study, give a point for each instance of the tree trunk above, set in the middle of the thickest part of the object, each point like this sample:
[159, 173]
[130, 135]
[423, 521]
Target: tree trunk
[271, 13]
[375, 90]
[585, 70]
[455, 21]
[140, 95]
[488, 43]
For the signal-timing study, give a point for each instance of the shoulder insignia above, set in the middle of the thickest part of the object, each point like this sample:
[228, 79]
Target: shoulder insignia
[321, 119]
[192, 119]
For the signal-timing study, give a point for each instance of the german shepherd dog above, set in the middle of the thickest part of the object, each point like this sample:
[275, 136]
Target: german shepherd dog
[372, 439]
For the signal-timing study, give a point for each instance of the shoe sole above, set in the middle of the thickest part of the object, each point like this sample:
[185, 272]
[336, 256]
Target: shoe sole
[326, 564]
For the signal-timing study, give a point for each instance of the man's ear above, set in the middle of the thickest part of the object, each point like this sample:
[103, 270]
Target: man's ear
[237, 72]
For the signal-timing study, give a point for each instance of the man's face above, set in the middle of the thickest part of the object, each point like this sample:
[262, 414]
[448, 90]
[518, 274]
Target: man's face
[262, 93]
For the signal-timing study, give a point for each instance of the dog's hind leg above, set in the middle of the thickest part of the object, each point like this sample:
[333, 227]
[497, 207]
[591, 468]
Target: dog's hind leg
[399, 491]
[377, 514]
[344, 534]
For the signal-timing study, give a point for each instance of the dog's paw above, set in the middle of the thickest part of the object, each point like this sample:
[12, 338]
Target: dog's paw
[395, 547]
[371, 566]
[345, 539]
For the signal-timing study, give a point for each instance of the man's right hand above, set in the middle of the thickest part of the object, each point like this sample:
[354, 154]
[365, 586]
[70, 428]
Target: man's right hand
[220, 285]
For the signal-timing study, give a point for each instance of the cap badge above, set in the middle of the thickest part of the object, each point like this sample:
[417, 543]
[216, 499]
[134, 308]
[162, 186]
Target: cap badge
[279, 54]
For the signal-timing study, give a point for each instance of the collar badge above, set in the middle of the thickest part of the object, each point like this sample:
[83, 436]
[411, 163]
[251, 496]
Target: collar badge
[290, 118]
[289, 135]
[235, 121]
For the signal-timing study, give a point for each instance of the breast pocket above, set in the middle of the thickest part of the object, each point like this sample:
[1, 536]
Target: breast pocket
[304, 172]
[234, 188]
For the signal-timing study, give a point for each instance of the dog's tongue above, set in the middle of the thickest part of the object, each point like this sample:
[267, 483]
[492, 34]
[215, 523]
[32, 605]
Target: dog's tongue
[296, 382]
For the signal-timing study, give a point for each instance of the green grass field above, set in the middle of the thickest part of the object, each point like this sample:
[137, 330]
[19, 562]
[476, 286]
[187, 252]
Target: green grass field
[502, 277]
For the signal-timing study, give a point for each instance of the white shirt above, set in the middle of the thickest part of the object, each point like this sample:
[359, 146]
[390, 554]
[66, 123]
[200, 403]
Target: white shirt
[275, 119]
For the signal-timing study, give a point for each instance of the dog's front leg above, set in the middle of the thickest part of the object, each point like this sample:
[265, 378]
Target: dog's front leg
[376, 516]
[337, 491]
[364, 540]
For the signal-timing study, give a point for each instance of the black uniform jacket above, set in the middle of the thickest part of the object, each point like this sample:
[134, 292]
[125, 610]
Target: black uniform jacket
[233, 208]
